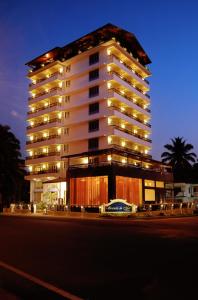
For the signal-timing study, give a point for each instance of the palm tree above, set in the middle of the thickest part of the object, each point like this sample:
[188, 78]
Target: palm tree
[11, 170]
[179, 155]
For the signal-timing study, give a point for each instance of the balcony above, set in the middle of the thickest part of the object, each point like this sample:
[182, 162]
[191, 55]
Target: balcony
[41, 155]
[50, 91]
[135, 152]
[44, 107]
[53, 76]
[50, 170]
[129, 115]
[129, 82]
[131, 133]
[129, 68]
[55, 120]
[50, 137]
[129, 98]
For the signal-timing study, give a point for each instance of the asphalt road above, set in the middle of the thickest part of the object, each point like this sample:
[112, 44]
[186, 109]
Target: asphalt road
[101, 259]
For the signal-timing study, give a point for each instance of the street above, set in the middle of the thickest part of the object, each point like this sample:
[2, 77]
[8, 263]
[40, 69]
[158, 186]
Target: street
[100, 259]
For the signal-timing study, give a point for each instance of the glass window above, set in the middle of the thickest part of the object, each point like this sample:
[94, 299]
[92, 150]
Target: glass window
[93, 108]
[149, 183]
[93, 144]
[149, 194]
[94, 58]
[93, 125]
[94, 91]
[94, 74]
[159, 184]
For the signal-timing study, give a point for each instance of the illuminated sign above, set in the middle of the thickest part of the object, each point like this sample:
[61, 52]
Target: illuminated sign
[118, 207]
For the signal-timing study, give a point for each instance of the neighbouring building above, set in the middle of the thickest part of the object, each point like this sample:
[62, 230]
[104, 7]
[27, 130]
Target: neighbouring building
[88, 137]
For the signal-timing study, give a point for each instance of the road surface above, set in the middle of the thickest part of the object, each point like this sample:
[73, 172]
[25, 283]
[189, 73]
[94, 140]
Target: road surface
[99, 259]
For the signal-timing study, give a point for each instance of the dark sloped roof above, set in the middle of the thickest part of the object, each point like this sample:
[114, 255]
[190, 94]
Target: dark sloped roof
[93, 39]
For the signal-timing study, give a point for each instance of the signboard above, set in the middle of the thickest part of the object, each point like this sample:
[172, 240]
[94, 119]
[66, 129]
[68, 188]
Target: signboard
[118, 207]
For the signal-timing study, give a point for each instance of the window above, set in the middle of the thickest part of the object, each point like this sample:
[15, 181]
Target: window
[93, 108]
[93, 144]
[67, 99]
[93, 125]
[94, 58]
[66, 131]
[68, 68]
[67, 114]
[93, 74]
[93, 91]
[67, 83]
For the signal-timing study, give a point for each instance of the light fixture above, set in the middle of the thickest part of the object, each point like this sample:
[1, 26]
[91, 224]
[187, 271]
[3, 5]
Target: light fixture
[123, 143]
[30, 168]
[46, 104]
[108, 85]
[59, 99]
[108, 52]
[33, 95]
[58, 165]
[58, 148]
[108, 68]
[124, 160]
[61, 70]
[109, 102]
[32, 109]
[45, 119]
[44, 134]
[44, 150]
[60, 84]
[31, 138]
[59, 115]
[109, 158]
[135, 131]
[59, 130]
[146, 151]
[30, 153]
[123, 126]
[109, 139]
[122, 108]
[85, 160]
[43, 166]
[109, 120]
[31, 123]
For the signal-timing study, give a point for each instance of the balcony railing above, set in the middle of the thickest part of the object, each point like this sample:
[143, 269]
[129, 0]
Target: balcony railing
[44, 123]
[50, 170]
[44, 78]
[132, 151]
[129, 82]
[53, 136]
[45, 92]
[129, 115]
[44, 107]
[40, 155]
[131, 133]
[128, 67]
[129, 98]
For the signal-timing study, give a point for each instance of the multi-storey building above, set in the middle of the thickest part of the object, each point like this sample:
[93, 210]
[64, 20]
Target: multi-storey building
[89, 122]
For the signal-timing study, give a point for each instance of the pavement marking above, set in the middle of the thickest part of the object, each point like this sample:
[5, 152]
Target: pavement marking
[40, 282]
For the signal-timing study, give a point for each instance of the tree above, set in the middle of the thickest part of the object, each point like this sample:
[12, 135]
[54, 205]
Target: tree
[180, 157]
[11, 166]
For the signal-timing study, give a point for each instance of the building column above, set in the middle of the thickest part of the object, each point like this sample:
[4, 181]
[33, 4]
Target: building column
[111, 186]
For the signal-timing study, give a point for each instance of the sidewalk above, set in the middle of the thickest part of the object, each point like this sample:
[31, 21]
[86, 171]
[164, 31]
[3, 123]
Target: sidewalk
[63, 215]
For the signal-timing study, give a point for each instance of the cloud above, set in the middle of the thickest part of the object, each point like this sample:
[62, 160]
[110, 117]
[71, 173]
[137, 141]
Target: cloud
[16, 115]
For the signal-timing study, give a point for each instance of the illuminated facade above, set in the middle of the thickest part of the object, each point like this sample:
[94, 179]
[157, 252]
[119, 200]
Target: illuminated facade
[89, 123]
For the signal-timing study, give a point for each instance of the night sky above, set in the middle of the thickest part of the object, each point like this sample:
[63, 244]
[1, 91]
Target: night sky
[167, 30]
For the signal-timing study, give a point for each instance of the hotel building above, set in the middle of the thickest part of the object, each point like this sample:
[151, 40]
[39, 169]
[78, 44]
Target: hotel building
[88, 134]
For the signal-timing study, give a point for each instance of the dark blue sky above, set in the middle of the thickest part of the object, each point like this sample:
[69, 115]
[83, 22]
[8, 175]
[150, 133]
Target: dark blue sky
[167, 30]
